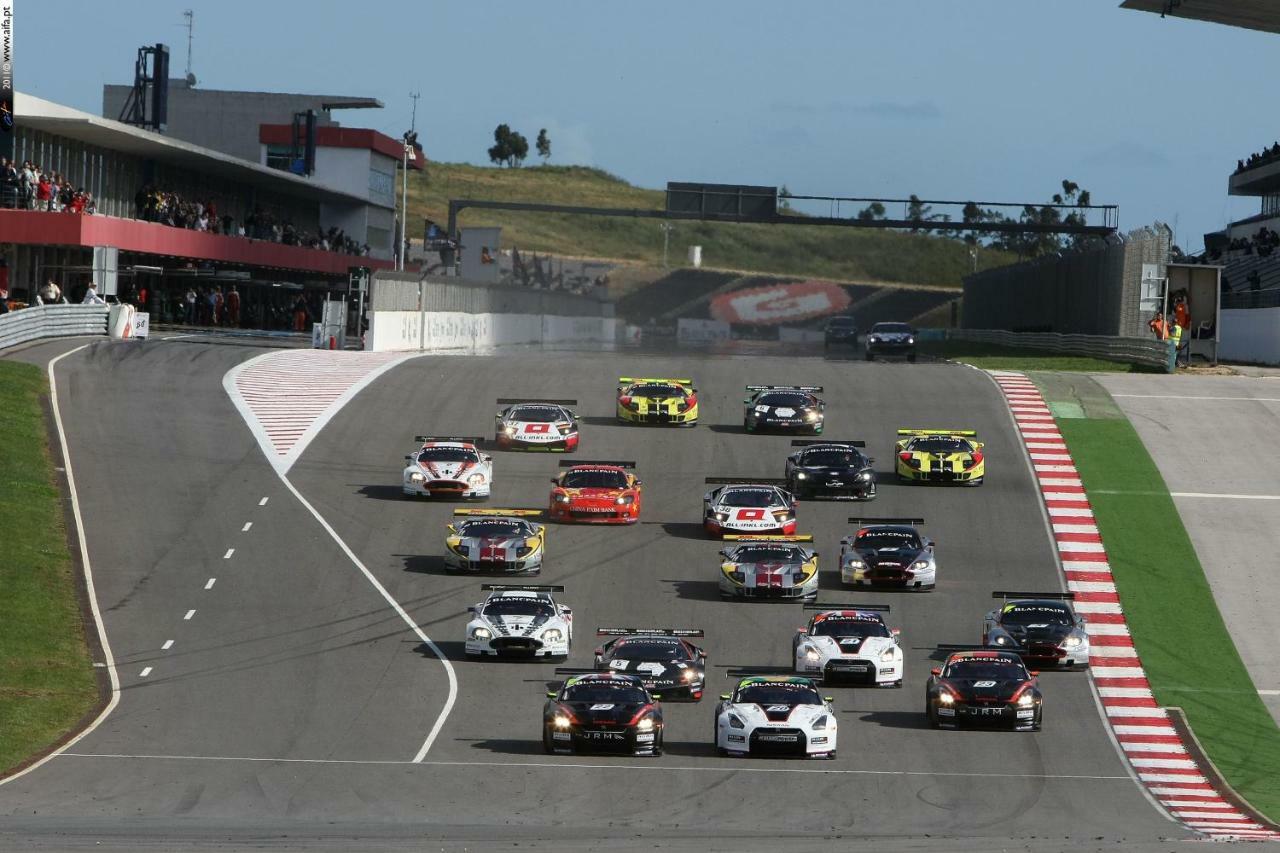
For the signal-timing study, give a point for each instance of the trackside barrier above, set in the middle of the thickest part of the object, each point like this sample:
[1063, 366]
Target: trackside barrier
[455, 330]
[695, 331]
[1150, 353]
[51, 321]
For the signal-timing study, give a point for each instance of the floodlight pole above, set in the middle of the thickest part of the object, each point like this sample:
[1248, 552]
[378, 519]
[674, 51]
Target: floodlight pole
[666, 239]
[404, 206]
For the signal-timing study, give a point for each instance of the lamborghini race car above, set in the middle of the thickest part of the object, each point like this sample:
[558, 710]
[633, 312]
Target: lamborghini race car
[536, 425]
[596, 493]
[983, 687]
[1041, 626]
[657, 401]
[602, 712]
[494, 540]
[524, 620]
[835, 469]
[891, 339]
[940, 456]
[888, 552]
[787, 408]
[769, 567]
[662, 658]
[849, 643]
[448, 467]
[748, 506]
[776, 715]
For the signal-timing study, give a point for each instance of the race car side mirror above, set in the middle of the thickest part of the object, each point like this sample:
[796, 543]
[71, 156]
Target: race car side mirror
[871, 460]
[452, 529]
[817, 553]
[554, 480]
[657, 697]
[895, 631]
[724, 697]
[1034, 673]
[800, 630]
[828, 698]
[935, 671]
[639, 482]
[408, 459]
[487, 458]
[551, 694]
[471, 609]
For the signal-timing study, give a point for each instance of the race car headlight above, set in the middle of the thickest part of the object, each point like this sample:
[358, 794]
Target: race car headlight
[886, 656]
[737, 576]
[416, 477]
[812, 416]
[1000, 640]
[1071, 642]
[460, 549]
[945, 698]
[1026, 700]
[562, 499]
[721, 516]
[476, 479]
[782, 515]
[690, 675]
[872, 339]
[865, 475]
[645, 725]
[857, 564]
[481, 634]
[800, 475]
[811, 654]
[820, 724]
[735, 722]
[625, 500]
[552, 635]
[920, 564]
[509, 430]
[560, 721]
[564, 429]
[911, 340]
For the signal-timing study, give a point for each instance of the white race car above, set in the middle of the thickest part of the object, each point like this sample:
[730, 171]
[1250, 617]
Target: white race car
[523, 620]
[494, 540]
[536, 425]
[888, 552]
[849, 645]
[748, 506]
[776, 715]
[448, 467]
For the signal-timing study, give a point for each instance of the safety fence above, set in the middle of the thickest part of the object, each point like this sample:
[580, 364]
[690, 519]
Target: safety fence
[1146, 352]
[51, 321]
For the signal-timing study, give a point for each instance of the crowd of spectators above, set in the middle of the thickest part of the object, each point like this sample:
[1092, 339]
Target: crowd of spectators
[1262, 243]
[1260, 158]
[28, 187]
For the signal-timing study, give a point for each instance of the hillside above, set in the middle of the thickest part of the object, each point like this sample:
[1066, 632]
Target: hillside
[845, 254]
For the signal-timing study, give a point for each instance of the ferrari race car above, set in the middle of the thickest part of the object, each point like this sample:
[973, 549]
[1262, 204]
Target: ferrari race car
[1041, 626]
[602, 712]
[834, 469]
[983, 687]
[849, 643]
[523, 620]
[596, 493]
[940, 456]
[494, 540]
[769, 567]
[448, 467]
[657, 401]
[662, 658]
[891, 339]
[748, 506]
[536, 425]
[776, 715]
[888, 552]
[789, 408]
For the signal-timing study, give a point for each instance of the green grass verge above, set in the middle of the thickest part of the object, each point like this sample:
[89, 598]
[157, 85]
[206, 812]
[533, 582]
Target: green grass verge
[1184, 645]
[47, 680]
[993, 357]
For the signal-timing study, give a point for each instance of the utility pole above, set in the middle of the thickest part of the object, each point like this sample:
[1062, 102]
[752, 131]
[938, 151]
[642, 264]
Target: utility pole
[410, 140]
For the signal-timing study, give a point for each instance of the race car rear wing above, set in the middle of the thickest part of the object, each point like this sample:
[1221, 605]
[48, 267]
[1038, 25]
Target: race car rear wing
[768, 537]
[587, 463]
[808, 389]
[510, 401]
[1051, 596]
[510, 513]
[864, 522]
[661, 632]
[964, 433]
[844, 605]
[502, 587]
[631, 380]
[810, 442]
[746, 481]
[474, 439]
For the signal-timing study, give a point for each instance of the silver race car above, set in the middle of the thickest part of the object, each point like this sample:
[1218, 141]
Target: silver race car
[748, 506]
[494, 540]
[849, 643]
[519, 620]
[448, 467]
[776, 715]
[888, 552]
[527, 424]
[1040, 626]
[769, 567]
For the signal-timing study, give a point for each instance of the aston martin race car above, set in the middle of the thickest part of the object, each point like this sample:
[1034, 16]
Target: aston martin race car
[940, 456]
[983, 687]
[494, 540]
[849, 643]
[769, 567]
[596, 493]
[448, 467]
[888, 552]
[657, 401]
[519, 620]
[776, 715]
[1041, 626]
[785, 408]
[748, 506]
[662, 658]
[830, 469]
[602, 712]
[891, 339]
[536, 425]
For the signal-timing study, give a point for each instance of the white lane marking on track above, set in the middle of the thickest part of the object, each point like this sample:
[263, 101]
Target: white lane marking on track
[1269, 692]
[246, 527]
[209, 584]
[168, 644]
[1181, 397]
[227, 556]
[263, 502]
[1225, 497]
[190, 613]
[146, 670]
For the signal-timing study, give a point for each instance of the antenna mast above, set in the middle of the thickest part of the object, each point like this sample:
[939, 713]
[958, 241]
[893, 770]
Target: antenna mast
[190, 25]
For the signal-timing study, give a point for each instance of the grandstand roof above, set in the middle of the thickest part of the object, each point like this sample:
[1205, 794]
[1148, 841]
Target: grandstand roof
[1261, 15]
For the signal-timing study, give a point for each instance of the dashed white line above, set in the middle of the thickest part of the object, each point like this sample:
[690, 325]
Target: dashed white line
[190, 613]
[263, 502]
[246, 527]
[1225, 496]
[209, 584]
[146, 670]
[168, 644]
[227, 556]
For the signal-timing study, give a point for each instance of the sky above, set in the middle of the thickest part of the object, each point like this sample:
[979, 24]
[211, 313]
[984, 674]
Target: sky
[988, 99]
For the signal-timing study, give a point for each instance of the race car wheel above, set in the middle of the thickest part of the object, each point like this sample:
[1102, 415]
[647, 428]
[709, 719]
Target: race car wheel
[871, 356]
[977, 482]
[933, 717]
[546, 743]
[911, 358]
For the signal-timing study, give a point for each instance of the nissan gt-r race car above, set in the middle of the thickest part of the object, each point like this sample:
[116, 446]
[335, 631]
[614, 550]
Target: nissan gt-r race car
[519, 620]
[776, 715]
[657, 401]
[891, 339]
[537, 425]
[785, 408]
[494, 540]
[602, 712]
[769, 567]
[448, 467]
[849, 643]
[596, 493]
[983, 687]
[940, 456]
[830, 469]
[748, 506]
[1041, 626]
[662, 658]
[888, 552]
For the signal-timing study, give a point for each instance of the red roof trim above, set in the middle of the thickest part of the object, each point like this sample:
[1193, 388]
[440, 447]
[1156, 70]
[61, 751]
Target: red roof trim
[343, 137]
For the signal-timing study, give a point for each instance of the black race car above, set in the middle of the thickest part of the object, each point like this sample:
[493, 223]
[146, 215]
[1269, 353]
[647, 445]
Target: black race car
[602, 712]
[1041, 626]
[983, 688]
[840, 332]
[786, 408]
[834, 469]
[891, 339]
[663, 660]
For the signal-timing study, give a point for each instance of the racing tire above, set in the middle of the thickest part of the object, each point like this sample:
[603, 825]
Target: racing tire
[911, 358]
[978, 482]
[871, 356]
[933, 717]
[689, 424]
[546, 742]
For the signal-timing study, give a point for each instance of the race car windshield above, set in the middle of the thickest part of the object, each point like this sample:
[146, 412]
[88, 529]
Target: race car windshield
[518, 606]
[1035, 614]
[845, 626]
[840, 323]
[779, 694]
[536, 414]
[889, 540]
[891, 329]
[996, 669]
[657, 392]
[831, 459]
[649, 650]
[448, 454]
[491, 527]
[759, 498]
[940, 444]
[768, 554]
[789, 399]
[595, 480]
[604, 693]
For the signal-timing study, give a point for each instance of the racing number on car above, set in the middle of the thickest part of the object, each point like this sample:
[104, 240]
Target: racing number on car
[618, 663]
[984, 684]
[778, 709]
[537, 428]
[750, 515]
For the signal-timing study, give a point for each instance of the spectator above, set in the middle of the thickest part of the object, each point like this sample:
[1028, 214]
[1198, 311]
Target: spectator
[1157, 326]
[300, 314]
[189, 301]
[91, 296]
[233, 307]
[50, 294]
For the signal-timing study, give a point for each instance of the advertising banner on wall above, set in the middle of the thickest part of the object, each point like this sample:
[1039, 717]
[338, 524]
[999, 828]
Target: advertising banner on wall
[8, 124]
[779, 303]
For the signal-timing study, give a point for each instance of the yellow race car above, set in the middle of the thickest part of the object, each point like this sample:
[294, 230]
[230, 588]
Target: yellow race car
[657, 401]
[940, 456]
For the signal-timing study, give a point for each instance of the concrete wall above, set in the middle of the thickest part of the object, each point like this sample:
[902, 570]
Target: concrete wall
[1250, 335]
[455, 330]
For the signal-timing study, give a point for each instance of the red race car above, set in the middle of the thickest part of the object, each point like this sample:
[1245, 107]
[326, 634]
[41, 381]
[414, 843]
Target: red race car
[596, 493]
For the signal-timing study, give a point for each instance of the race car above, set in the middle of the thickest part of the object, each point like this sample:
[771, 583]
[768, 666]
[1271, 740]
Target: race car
[1041, 626]
[776, 715]
[787, 408]
[940, 456]
[602, 712]
[769, 567]
[849, 643]
[662, 658]
[888, 552]
[494, 540]
[748, 506]
[596, 493]
[536, 425]
[891, 339]
[519, 620]
[657, 401]
[983, 687]
[831, 469]
[448, 467]
[840, 331]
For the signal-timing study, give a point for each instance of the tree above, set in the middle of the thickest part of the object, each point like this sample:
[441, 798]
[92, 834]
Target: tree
[871, 212]
[544, 145]
[519, 149]
[509, 147]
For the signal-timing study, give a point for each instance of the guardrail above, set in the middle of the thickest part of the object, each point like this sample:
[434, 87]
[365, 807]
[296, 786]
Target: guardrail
[1150, 353]
[51, 321]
